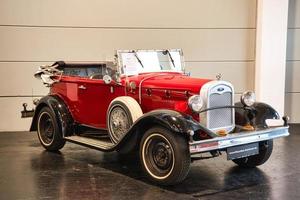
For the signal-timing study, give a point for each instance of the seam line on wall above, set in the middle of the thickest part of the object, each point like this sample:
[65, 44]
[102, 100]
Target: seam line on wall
[17, 96]
[35, 61]
[120, 27]
[292, 92]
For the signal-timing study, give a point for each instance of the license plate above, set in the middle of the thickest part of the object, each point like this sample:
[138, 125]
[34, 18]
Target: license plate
[242, 151]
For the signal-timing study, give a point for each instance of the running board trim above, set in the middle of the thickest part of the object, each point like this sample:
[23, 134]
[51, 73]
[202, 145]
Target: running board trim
[91, 143]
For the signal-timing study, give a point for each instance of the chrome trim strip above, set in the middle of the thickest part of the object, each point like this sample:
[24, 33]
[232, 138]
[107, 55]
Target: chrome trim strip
[236, 139]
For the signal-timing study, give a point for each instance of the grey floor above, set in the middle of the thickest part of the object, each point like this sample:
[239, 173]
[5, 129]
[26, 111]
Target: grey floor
[29, 172]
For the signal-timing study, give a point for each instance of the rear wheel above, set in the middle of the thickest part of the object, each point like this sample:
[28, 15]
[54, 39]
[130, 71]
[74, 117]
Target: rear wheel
[164, 156]
[48, 130]
[265, 151]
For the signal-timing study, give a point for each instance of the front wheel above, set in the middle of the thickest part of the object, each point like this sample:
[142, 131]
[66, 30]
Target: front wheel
[265, 151]
[48, 130]
[164, 156]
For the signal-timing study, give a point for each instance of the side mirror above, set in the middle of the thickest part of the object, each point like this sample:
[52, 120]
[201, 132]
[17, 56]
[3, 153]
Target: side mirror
[107, 79]
[187, 73]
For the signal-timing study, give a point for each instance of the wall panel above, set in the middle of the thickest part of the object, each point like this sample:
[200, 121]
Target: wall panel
[11, 115]
[240, 74]
[216, 37]
[131, 13]
[293, 44]
[294, 14]
[44, 44]
[292, 106]
[292, 87]
[18, 80]
[292, 76]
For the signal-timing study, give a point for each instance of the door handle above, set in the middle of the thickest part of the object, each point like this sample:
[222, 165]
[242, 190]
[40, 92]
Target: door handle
[82, 87]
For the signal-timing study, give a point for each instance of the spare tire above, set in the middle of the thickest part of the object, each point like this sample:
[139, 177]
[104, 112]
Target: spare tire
[122, 113]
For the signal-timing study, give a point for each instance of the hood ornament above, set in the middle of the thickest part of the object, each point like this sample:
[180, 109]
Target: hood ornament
[219, 76]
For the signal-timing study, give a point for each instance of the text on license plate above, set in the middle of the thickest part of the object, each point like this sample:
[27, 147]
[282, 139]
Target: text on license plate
[242, 151]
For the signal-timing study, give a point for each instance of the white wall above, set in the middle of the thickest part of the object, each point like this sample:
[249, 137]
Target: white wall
[270, 60]
[292, 89]
[216, 37]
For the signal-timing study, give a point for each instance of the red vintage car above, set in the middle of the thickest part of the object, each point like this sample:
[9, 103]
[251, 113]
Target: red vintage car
[145, 102]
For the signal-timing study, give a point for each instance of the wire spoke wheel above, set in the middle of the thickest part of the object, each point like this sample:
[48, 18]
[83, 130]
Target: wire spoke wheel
[122, 113]
[119, 122]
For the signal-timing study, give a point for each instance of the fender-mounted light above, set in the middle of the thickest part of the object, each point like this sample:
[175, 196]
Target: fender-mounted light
[248, 98]
[195, 103]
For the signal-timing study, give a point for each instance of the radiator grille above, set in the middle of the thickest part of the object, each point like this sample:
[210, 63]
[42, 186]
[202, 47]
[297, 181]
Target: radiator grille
[220, 117]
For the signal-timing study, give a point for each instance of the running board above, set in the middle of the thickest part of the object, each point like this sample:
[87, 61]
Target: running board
[99, 144]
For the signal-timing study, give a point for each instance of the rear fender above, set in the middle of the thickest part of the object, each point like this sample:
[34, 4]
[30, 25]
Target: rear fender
[61, 111]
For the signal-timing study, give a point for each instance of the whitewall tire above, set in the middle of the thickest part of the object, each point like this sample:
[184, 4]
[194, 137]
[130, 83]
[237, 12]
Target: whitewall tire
[122, 113]
[48, 130]
[164, 156]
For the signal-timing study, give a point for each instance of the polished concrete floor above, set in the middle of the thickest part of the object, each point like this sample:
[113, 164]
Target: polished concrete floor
[29, 172]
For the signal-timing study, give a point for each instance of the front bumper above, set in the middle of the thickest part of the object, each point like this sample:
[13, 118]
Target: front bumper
[235, 139]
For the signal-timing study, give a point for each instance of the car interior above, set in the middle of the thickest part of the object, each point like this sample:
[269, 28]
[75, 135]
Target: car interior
[87, 70]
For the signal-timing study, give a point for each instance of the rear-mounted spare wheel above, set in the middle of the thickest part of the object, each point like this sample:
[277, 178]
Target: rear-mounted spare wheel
[122, 113]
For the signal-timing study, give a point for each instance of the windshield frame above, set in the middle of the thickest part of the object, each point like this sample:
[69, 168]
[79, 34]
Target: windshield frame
[120, 63]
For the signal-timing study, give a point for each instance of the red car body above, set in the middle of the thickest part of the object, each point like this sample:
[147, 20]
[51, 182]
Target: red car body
[145, 102]
[89, 99]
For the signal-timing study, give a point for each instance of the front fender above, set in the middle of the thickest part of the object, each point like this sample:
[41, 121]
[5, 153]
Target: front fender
[61, 111]
[178, 123]
[170, 119]
[256, 115]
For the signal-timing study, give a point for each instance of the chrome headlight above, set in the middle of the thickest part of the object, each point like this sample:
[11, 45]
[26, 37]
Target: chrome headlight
[248, 98]
[195, 103]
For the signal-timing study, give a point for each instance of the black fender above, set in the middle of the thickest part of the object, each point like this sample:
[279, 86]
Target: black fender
[256, 115]
[178, 123]
[63, 116]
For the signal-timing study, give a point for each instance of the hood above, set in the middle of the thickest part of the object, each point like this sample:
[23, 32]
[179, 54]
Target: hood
[172, 81]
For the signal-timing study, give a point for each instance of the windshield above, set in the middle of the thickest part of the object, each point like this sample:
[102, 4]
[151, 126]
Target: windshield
[142, 61]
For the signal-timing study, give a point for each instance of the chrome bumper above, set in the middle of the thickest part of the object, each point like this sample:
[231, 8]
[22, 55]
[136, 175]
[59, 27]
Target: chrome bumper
[235, 139]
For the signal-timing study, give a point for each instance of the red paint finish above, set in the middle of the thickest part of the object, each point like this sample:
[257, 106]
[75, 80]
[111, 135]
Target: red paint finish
[89, 99]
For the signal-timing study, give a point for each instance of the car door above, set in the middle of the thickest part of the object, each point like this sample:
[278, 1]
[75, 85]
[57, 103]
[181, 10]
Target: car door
[93, 100]
[94, 97]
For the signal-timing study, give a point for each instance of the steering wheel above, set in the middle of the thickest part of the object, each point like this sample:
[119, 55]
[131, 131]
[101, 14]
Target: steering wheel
[96, 76]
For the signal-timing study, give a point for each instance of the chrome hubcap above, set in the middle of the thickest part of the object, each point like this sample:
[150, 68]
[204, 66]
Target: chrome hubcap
[119, 122]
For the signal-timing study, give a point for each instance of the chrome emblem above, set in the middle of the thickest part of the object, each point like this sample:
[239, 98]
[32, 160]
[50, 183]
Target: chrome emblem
[220, 89]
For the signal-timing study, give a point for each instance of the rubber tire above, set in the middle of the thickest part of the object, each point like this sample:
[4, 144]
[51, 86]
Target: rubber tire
[130, 106]
[265, 151]
[58, 142]
[181, 156]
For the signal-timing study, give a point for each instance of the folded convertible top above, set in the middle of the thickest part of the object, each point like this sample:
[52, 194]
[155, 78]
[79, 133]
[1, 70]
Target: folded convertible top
[63, 64]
